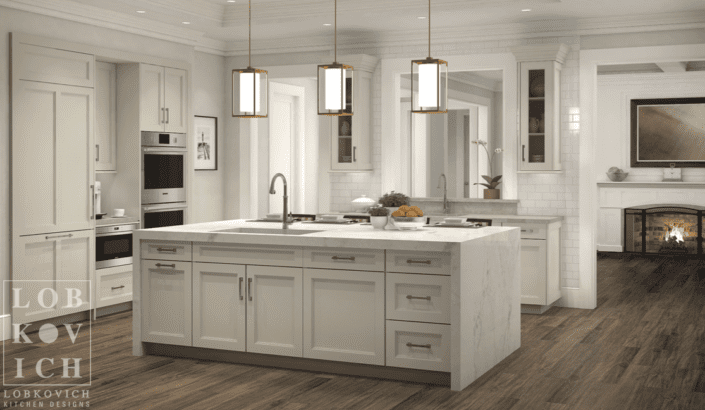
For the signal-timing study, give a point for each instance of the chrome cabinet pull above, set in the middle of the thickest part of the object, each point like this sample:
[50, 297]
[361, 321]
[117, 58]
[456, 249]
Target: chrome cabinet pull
[161, 120]
[172, 250]
[528, 230]
[167, 115]
[354, 154]
[92, 202]
[249, 288]
[117, 287]
[523, 147]
[97, 153]
[428, 346]
[427, 262]
[418, 297]
[59, 236]
[341, 258]
[241, 297]
[173, 265]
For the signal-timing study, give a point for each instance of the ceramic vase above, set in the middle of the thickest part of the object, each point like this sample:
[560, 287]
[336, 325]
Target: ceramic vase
[379, 222]
[491, 193]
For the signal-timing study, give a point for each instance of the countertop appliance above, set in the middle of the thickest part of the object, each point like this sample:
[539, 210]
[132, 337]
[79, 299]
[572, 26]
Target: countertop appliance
[113, 245]
[163, 167]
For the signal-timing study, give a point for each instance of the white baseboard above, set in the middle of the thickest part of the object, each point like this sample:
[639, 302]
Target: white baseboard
[5, 327]
[576, 298]
[609, 248]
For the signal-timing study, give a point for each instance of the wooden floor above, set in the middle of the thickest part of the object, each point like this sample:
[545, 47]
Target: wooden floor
[642, 348]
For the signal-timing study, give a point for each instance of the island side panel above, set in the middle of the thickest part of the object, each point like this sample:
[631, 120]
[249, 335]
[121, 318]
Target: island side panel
[485, 305]
[137, 348]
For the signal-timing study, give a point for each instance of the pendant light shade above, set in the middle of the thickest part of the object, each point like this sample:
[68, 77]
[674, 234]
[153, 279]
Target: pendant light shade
[429, 81]
[250, 87]
[335, 84]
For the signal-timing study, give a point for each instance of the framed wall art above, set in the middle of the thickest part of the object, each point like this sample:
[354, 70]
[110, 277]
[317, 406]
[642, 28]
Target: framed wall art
[206, 140]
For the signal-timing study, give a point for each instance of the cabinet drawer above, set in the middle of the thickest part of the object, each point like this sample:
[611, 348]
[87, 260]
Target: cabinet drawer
[433, 263]
[344, 258]
[247, 254]
[423, 346]
[529, 231]
[113, 285]
[418, 298]
[169, 251]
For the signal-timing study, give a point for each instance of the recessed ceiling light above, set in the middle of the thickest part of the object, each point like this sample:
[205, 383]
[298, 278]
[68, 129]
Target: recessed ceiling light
[231, 1]
[326, 24]
[422, 17]
[141, 11]
[525, 9]
[185, 22]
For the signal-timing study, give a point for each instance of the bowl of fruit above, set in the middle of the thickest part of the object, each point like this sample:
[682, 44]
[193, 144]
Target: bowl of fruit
[616, 175]
[408, 218]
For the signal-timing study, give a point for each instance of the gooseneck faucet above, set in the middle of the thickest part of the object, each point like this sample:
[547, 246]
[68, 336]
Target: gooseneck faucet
[446, 209]
[286, 199]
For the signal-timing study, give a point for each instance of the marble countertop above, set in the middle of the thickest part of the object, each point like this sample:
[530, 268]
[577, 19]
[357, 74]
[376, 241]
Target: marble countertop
[107, 221]
[330, 235]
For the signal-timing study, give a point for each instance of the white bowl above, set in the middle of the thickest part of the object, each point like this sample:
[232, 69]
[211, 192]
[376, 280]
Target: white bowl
[408, 222]
[454, 220]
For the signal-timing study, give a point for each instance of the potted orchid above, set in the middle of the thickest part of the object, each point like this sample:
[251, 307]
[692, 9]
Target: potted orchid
[492, 182]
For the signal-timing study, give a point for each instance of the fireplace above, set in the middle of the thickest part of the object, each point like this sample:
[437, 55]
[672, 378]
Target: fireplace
[664, 229]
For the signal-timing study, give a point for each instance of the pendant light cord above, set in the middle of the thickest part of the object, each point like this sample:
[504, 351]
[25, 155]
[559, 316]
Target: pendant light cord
[249, 40]
[335, 58]
[429, 28]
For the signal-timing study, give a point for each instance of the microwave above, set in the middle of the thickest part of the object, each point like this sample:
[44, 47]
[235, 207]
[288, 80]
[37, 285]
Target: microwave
[113, 245]
[163, 167]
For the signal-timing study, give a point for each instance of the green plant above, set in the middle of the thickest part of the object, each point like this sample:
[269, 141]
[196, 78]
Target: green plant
[394, 199]
[492, 182]
[379, 211]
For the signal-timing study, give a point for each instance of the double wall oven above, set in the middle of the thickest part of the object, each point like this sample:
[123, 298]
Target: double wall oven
[163, 179]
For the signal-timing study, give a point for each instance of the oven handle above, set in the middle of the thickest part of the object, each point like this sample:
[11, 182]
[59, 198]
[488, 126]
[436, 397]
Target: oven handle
[151, 209]
[98, 235]
[174, 150]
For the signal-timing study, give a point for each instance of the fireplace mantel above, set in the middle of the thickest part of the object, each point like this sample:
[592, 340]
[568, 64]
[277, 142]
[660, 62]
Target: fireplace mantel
[615, 196]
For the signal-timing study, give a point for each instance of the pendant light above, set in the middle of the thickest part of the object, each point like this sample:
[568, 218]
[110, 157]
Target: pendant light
[429, 81]
[335, 83]
[250, 87]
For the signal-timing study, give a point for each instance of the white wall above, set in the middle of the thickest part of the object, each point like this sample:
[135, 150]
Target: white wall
[613, 126]
[209, 99]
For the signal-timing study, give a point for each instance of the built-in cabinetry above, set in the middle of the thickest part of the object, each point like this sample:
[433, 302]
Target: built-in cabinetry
[351, 135]
[163, 102]
[539, 106]
[105, 117]
[540, 265]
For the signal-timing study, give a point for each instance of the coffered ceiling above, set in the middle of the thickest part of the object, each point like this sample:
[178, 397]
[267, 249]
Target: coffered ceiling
[222, 25]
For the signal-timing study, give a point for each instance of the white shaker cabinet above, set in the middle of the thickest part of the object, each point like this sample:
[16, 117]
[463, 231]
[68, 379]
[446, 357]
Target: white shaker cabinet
[166, 311]
[105, 113]
[163, 99]
[53, 158]
[58, 261]
[219, 319]
[344, 315]
[274, 299]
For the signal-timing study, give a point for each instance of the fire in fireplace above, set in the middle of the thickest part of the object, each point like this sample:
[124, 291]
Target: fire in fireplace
[664, 229]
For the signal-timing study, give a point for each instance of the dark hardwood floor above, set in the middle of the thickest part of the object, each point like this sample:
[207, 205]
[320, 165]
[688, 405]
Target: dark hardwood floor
[642, 348]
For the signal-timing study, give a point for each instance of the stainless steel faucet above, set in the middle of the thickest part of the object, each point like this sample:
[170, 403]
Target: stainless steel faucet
[285, 212]
[446, 208]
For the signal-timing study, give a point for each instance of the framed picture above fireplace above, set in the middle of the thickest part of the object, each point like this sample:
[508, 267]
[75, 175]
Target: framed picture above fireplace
[668, 131]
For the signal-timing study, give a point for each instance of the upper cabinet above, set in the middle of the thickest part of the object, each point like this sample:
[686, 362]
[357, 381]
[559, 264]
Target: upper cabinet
[163, 101]
[351, 142]
[539, 106]
[105, 117]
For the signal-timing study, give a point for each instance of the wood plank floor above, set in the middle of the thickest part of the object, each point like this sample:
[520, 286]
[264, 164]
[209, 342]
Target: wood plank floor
[642, 348]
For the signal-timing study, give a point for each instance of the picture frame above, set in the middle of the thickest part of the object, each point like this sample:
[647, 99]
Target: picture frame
[206, 143]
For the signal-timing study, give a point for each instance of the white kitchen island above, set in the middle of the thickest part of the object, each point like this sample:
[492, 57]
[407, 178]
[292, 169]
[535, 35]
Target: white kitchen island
[436, 305]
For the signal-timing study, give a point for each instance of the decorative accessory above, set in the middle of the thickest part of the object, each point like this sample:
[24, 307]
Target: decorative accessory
[492, 182]
[379, 211]
[432, 84]
[206, 140]
[616, 175]
[394, 200]
[363, 203]
[672, 174]
[335, 83]
[250, 87]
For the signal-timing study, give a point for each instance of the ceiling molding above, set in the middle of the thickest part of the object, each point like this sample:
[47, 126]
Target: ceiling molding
[469, 78]
[200, 8]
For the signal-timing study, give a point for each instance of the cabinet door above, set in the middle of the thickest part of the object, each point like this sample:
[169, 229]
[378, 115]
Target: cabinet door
[350, 144]
[52, 150]
[219, 306]
[539, 107]
[344, 316]
[113, 285]
[166, 311]
[274, 299]
[533, 271]
[58, 262]
[152, 112]
[105, 117]
[175, 103]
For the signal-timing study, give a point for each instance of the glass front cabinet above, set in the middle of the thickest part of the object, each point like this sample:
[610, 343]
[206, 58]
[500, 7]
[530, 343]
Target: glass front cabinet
[540, 107]
[350, 134]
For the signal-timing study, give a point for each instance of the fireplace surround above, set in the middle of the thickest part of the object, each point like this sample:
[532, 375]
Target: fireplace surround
[664, 229]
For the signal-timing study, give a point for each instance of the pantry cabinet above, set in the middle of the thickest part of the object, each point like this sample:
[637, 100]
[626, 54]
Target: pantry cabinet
[106, 113]
[163, 99]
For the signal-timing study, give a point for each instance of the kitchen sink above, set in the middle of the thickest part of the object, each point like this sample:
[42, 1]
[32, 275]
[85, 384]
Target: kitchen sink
[268, 231]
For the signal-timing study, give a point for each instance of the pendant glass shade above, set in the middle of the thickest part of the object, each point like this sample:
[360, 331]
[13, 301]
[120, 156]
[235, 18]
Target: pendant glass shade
[429, 82]
[335, 89]
[250, 93]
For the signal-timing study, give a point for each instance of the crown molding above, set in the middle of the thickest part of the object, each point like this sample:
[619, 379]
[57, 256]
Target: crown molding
[541, 52]
[476, 81]
[202, 9]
